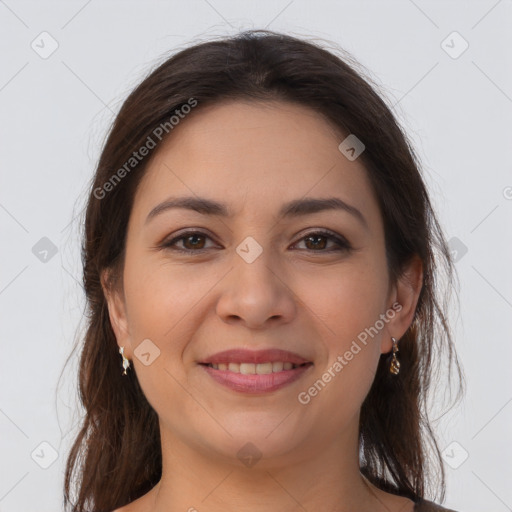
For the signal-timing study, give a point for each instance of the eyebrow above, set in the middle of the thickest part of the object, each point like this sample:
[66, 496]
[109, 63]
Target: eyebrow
[295, 208]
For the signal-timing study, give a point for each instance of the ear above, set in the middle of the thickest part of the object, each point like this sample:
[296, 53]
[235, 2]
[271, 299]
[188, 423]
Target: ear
[114, 296]
[404, 295]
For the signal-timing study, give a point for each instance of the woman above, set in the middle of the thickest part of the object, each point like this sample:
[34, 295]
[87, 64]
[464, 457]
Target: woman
[261, 267]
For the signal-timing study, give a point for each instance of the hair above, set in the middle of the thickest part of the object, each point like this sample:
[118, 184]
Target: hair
[116, 455]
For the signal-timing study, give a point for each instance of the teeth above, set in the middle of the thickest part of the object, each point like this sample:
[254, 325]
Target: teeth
[263, 368]
[254, 369]
[248, 368]
[277, 367]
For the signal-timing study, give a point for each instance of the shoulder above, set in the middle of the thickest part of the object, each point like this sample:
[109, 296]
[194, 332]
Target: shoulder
[429, 506]
[139, 505]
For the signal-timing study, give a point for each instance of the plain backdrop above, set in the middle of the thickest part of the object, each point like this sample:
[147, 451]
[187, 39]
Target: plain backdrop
[65, 69]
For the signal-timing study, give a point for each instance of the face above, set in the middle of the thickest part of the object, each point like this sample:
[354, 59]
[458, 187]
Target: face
[255, 274]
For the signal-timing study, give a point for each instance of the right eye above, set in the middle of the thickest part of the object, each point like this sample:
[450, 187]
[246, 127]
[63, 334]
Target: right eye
[192, 239]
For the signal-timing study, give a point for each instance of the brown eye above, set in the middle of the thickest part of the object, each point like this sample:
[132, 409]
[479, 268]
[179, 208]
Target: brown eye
[192, 241]
[317, 241]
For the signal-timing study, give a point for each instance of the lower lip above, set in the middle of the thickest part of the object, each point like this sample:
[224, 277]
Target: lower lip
[256, 383]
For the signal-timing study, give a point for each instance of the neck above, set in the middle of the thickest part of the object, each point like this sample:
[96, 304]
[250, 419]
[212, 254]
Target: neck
[194, 479]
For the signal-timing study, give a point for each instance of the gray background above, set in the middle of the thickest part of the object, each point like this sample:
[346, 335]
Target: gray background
[457, 108]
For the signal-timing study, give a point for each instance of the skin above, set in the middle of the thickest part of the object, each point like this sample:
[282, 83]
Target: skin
[297, 296]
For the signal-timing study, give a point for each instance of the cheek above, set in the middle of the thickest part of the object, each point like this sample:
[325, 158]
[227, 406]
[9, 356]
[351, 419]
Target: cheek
[160, 307]
[347, 303]
[345, 299]
[159, 295]
[166, 304]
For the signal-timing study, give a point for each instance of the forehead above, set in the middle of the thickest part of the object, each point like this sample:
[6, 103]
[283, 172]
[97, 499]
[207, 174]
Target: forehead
[254, 156]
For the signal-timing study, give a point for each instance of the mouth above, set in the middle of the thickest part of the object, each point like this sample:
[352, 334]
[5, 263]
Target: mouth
[255, 371]
[244, 356]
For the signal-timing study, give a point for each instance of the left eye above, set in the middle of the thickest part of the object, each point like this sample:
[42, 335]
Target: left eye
[316, 239]
[312, 238]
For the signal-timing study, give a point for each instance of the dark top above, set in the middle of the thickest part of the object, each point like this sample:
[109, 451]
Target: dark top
[420, 506]
[429, 506]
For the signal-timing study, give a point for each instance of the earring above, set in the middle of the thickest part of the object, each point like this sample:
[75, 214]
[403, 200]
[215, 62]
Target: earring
[395, 363]
[126, 362]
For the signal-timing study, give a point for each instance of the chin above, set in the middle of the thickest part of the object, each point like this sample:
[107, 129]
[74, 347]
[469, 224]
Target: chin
[249, 444]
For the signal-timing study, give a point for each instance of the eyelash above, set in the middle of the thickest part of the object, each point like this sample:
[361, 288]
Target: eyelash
[341, 242]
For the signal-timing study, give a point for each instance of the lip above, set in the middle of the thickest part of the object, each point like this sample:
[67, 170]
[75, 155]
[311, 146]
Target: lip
[255, 356]
[256, 383]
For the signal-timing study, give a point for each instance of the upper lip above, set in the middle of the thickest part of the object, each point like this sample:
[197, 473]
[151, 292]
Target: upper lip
[240, 355]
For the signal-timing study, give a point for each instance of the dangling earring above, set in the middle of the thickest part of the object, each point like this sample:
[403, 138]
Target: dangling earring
[126, 362]
[395, 363]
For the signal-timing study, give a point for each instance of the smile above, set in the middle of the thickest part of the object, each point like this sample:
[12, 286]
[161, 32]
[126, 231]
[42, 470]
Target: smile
[255, 369]
[256, 378]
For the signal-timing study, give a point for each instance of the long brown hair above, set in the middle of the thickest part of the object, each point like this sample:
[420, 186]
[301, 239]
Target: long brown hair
[116, 456]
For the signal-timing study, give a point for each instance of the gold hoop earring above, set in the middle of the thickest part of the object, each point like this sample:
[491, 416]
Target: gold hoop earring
[395, 363]
[126, 362]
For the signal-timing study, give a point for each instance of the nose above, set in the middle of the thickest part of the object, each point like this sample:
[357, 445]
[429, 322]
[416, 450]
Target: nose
[256, 294]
